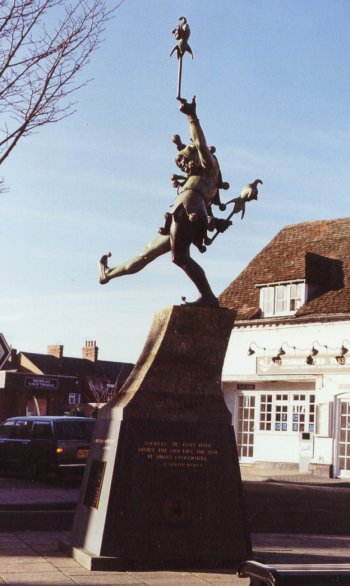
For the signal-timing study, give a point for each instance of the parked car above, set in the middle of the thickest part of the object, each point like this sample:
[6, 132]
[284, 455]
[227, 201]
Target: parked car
[45, 444]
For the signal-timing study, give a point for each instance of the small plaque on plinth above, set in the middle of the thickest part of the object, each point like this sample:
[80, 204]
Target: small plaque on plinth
[94, 484]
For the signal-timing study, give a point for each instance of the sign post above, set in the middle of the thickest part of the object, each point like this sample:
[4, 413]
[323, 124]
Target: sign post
[5, 351]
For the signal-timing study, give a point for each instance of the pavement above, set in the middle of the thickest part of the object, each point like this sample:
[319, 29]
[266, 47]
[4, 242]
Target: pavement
[22, 493]
[33, 556]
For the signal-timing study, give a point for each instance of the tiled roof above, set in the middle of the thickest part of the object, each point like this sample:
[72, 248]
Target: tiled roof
[318, 252]
[78, 367]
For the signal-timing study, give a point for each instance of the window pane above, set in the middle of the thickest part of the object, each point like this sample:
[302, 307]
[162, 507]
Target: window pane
[295, 296]
[22, 429]
[281, 299]
[267, 296]
[75, 430]
[6, 429]
[42, 431]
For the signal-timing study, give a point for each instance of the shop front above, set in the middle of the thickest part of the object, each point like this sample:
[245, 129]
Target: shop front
[274, 421]
[27, 394]
[301, 426]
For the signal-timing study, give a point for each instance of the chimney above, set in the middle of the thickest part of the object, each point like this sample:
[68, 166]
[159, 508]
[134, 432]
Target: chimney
[13, 358]
[90, 350]
[55, 350]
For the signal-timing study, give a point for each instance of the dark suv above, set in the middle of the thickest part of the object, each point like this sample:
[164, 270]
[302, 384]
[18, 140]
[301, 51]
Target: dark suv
[45, 444]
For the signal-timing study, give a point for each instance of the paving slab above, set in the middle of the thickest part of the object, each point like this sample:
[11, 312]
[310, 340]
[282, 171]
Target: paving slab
[47, 565]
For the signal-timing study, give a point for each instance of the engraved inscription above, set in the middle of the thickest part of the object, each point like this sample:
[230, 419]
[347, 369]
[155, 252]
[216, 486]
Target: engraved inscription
[178, 454]
[105, 443]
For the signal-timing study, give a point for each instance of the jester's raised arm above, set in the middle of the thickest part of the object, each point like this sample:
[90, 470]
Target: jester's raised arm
[196, 133]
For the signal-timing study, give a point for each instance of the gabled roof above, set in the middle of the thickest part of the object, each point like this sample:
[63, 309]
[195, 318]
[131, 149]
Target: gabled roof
[77, 367]
[317, 252]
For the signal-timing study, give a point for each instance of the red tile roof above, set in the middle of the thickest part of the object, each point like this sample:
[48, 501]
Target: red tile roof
[318, 252]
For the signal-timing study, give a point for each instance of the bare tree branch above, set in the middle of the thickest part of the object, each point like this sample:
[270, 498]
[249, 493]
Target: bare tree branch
[40, 63]
[101, 388]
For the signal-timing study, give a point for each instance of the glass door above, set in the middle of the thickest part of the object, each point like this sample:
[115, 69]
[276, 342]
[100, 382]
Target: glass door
[344, 438]
[245, 427]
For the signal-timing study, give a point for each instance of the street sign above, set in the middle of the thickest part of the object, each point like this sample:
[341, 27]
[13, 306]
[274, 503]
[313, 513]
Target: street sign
[5, 350]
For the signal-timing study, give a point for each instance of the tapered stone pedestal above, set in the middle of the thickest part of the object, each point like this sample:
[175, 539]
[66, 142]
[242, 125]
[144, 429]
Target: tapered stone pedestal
[162, 486]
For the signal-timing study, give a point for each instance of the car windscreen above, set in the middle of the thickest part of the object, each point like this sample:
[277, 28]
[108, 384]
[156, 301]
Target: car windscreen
[74, 430]
[6, 429]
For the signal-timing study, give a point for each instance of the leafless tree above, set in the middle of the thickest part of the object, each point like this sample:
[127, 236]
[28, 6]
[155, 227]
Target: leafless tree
[102, 389]
[44, 45]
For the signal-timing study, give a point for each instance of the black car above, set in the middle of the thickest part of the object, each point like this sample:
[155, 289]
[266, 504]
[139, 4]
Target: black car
[45, 444]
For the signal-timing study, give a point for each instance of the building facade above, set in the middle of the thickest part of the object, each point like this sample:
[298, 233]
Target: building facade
[286, 376]
[54, 384]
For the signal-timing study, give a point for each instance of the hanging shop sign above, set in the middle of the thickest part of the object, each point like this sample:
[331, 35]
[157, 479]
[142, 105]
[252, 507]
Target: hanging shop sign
[298, 365]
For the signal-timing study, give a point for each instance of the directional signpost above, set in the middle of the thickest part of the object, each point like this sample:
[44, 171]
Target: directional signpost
[5, 350]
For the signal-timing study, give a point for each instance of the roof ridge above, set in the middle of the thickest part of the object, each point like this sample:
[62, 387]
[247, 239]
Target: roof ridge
[314, 222]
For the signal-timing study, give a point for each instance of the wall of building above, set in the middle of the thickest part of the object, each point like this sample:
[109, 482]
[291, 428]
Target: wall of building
[305, 400]
[22, 394]
[303, 337]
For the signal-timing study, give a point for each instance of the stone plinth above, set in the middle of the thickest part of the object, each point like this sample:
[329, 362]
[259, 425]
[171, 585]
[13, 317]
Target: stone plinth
[162, 486]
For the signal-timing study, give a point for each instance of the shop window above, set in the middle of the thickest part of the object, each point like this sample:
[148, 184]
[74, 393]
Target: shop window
[74, 399]
[304, 410]
[312, 413]
[287, 412]
[265, 412]
[281, 418]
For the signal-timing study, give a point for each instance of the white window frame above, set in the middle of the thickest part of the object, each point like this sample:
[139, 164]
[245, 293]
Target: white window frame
[281, 298]
[74, 399]
[286, 412]
[245, 427]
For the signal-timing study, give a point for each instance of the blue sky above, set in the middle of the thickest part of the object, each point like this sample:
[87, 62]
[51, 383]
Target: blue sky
[273, 92]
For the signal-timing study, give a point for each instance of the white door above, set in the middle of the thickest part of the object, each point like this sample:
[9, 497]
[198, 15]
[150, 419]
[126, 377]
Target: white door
[245, 427]
[343, 444]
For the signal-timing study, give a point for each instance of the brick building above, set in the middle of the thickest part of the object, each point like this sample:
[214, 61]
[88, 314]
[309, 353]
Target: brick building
[287, 370]
[53, 384]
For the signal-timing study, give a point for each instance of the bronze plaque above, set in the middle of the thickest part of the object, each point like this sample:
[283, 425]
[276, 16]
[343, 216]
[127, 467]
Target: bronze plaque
[94, 483]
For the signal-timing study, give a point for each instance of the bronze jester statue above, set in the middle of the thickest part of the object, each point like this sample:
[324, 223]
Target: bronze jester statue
[191, 215]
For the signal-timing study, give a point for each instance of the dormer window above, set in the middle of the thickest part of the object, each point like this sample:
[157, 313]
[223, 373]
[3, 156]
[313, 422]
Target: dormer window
[281, 298]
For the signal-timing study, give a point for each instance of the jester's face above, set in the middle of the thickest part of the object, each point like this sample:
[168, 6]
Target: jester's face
[187, 160]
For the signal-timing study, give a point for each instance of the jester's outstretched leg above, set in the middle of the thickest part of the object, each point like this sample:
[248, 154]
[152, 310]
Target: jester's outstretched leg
[182, 234]
[156, 247]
